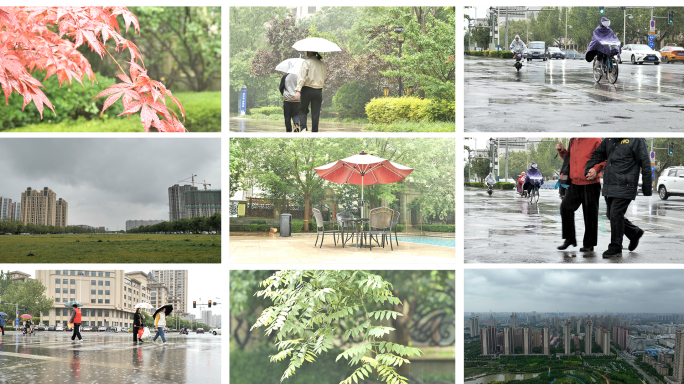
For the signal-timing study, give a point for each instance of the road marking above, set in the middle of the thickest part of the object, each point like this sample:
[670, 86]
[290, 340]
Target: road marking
[612, 95]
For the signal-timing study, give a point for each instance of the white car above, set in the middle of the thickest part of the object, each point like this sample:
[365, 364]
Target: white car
[59, 328]
[639, 54]
[215, 331]
[671, 182]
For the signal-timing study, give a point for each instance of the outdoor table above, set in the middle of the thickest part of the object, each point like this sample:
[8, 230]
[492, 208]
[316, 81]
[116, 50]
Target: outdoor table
[358, 228]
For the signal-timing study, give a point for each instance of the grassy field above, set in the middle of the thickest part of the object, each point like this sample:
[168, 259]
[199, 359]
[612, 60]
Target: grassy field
[119, 248]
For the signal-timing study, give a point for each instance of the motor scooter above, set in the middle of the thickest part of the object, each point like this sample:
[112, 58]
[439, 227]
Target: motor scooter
[518, 61]
[490, 189]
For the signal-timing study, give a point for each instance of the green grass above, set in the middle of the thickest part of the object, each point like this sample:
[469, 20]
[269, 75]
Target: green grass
[412, 126]
[202, 114]
[116, 248]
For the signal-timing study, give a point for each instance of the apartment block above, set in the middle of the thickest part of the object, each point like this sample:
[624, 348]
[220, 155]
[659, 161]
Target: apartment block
[202, 203]
[5, 208]
[62, 213]
[177, 201]
[38, 206]
[177, 283]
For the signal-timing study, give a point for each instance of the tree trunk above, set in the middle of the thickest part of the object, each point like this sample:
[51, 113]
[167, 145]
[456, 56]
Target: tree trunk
[401, 326]
[307, 213]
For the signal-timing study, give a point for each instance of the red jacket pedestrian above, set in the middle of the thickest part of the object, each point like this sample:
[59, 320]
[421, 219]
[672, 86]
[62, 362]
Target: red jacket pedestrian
[582, 149]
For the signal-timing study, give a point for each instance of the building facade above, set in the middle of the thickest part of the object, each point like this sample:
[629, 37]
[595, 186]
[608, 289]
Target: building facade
[566, 336]
[108, 296]
[678, 362]
[177, 283]
[177, 201]
[202, 203]
[16, 211]
[38, 206]
[587, 337]
[133, 224]
[6, 208]
[62, 213]
[474, 326]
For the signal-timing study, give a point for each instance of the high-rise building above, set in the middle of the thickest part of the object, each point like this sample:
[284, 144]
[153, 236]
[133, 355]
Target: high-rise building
[474, 326]
[678, 363]
[16, 211]
[488, 340]
[605, 340]
[159, 293]
[133, 224]
[108, 296]
[202, 203]
[566, 336]
[536, 339]
[587, 337]
[177, 201]
[177, 283]
[527, 340]
[5, 208]
[514, 321]
[508, 341]
[491, 322]
[62, 213]
[546, 339]
[38, 206]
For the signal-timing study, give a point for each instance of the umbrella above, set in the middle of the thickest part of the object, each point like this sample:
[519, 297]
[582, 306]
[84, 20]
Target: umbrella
[290, 65]
[353, 170]
[166, 308]
[143, 306]
[3, 314]
[316, 44]
[26, 316]
[72, 302]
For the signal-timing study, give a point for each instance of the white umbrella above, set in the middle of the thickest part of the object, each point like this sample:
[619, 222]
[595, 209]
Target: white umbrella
[143, 306]
[290, 65]
[316, 44]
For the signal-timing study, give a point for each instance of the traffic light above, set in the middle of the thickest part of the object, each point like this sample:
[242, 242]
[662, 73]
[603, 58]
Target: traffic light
[670, 17]
[602, 10]
[194, 304]
[25, 309]
[209, 303]
[670, 148]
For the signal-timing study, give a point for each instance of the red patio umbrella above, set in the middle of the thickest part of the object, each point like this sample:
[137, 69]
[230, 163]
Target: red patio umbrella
[363, 169]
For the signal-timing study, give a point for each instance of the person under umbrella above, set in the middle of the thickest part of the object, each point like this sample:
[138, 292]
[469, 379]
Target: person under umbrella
[76, 321]
[160, 321]
[2, 322]
[138, 324]
[288, 83]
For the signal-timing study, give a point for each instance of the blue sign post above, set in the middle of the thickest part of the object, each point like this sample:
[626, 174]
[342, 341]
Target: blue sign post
[651, 37]
[243, 102]
[651, 45]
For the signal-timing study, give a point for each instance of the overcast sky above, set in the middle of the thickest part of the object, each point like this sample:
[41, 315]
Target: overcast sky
[108, 181]
[574, 290]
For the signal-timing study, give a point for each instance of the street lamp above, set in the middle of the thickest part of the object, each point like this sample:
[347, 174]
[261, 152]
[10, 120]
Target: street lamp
[400, 40]
[624, 25]
[409, 90]
[385, 91]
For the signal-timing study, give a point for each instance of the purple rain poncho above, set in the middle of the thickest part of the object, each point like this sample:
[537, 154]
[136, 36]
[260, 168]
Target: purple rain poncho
[534, 177]
[602, 34]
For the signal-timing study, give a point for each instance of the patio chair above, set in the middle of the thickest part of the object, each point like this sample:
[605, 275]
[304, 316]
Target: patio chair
[395, 222]
[342, 223]
[379, 223]
[320, 228]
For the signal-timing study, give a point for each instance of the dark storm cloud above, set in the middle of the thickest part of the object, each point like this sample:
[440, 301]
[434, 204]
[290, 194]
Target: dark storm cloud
[573, 290]
[108, 181]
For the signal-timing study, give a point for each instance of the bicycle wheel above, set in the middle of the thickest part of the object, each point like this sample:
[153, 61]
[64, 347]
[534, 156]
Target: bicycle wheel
[613, 73]
[598, 73]
[536, 195]
[531, 195]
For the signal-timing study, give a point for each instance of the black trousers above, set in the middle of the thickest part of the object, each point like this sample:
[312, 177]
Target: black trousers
[3, 330]
[77, 331]
[620, 226]
[291, 113]
[588, 197]
[135, 333]
[313, 96]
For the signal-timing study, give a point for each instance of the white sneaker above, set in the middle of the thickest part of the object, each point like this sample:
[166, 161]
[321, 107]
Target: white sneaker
[80, 341]
[164, 343]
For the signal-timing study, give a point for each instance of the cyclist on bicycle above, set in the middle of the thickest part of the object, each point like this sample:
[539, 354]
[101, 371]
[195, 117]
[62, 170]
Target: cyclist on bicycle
[602, 35]
[517, 46]
[533, 178]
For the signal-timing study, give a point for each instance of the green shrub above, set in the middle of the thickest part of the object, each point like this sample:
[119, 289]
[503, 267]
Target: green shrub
[486, 53]
[390, 109]
[441, 110]
[266, 111]
[351, 99]
[412, 126]
[202, 110]
[476, 53]
[70, 103]
[479, 185]
[451, 228]
[507, 54]
[500, 185]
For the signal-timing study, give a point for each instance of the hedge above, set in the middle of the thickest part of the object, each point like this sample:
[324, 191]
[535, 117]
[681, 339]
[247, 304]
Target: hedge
[390, 109]
[202, 110]
[500, 54]
[266, 111]
[479, 185]
[498, 185]
[439, 228]
[297, 227]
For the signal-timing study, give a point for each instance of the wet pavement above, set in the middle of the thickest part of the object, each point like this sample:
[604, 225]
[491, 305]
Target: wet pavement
[50, 357]
[253, 125]
[561, 95]
[505, 228]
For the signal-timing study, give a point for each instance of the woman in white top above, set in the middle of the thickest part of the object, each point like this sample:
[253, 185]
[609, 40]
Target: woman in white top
[160, 323]
[310, 84]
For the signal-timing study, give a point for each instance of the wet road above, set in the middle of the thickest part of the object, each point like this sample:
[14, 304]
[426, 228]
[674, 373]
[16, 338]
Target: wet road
[49, 357]
[561, 95]
[252, 125]
[505, 228]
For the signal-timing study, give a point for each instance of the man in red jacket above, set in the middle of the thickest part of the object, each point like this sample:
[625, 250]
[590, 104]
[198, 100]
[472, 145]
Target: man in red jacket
[582, 191]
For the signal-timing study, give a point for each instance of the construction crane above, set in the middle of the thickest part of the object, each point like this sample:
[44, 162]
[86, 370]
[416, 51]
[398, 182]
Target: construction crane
[191, 179]
[205, 184]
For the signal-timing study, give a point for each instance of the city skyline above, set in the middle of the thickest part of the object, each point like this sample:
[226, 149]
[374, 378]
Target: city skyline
[108, 181]
[581, 291]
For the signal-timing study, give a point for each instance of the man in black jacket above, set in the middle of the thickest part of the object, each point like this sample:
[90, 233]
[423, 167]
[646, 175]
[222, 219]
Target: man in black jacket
[625, 159]
[137, 325]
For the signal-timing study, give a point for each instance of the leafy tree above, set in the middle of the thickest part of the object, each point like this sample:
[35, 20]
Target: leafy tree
[28, 41]
[307, 303]
[244, 305]
[29, 295]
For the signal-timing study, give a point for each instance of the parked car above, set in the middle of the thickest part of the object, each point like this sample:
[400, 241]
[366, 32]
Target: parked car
[200, 330]
[85, 329]
[51, 328]
[554, 53]
[536, 50]
[39, 328]
[670, 54]
[639, 54]
[215, 331]
[101, 329]
[671, 182]
[59, 328]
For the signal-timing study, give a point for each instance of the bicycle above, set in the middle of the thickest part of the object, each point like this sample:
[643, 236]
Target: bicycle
[608, 66]
[534, 194]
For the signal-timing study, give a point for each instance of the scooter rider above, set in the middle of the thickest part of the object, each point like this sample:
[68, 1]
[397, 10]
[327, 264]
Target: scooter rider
[490, 180]
[517, 46]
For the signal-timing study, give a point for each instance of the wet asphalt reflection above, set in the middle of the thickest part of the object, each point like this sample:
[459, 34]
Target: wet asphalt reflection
[506, 228]
[51, 357]
[561, 95]
[252, 125]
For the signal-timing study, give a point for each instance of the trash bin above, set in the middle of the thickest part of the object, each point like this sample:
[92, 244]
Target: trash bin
[285, 225]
